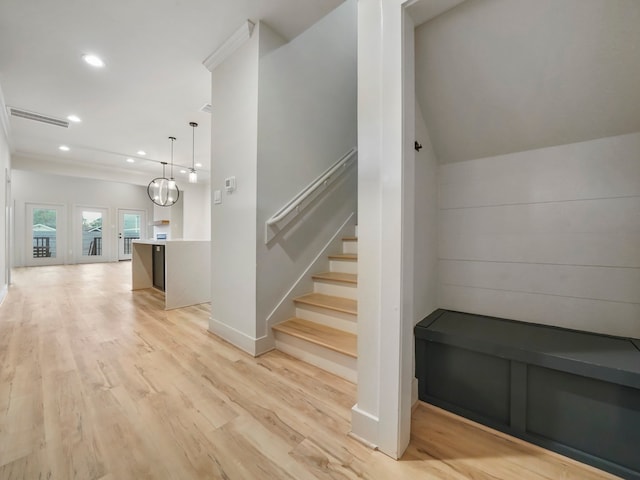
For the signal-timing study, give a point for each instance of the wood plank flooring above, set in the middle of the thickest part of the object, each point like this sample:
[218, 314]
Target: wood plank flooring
[99, 382]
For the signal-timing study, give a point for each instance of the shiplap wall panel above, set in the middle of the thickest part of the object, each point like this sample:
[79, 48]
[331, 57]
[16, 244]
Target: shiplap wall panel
[585, 232]
[549, 236]
[597, 283]
[603, 168]
[610, 318]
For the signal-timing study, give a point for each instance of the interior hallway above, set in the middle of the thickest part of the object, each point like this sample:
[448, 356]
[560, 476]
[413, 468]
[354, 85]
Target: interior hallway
[99, 382]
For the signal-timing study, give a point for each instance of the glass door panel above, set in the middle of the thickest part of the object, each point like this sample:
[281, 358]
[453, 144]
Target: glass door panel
[131, 227]
[91, 233]
[92, 241]
[45, 240]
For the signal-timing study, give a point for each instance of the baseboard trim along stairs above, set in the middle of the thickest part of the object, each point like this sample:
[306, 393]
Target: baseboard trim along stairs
[323, 332]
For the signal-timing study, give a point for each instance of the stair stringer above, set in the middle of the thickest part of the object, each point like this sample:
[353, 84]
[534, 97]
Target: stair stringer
[285, 308]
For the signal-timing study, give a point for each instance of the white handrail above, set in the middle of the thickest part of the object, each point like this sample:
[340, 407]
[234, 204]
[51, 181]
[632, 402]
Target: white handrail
[310, 189]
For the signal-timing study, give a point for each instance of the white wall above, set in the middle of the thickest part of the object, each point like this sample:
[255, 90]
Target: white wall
[278, 122]
[5, 203]
[503, 76]
[549, 236]
[234, 146]
[196, 212]
[307, 120]
[34, 187]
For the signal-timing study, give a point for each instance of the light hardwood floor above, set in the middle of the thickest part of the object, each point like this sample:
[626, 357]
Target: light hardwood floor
[99, 382]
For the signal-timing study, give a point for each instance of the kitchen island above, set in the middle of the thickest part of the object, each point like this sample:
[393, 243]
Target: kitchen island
[186, 270]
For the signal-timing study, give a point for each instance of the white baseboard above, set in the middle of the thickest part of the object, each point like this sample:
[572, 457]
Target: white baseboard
[3, 293]
[364, 427]
[253, 346]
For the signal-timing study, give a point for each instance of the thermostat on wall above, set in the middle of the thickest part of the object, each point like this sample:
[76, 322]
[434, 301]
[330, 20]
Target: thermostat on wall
[230, 184]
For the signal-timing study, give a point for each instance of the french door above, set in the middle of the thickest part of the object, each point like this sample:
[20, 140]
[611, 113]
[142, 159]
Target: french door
[45, 234]
[131, 226]
[91, 232]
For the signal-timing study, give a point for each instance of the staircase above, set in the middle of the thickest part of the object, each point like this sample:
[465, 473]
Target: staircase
[323, 332]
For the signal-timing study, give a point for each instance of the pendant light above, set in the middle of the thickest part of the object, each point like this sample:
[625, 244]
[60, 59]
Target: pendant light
[193, 175]
[163, 191]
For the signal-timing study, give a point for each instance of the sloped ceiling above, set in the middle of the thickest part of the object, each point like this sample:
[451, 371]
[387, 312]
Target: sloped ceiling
[501, 76]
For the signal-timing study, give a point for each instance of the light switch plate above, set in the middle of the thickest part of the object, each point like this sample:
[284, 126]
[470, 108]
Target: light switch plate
[217, 197]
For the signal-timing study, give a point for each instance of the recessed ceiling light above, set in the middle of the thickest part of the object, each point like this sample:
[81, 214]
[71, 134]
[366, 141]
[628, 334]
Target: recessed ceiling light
[74, 118]
[130, 160]
[183, 171]
[64, 148]
[93, 60]
[142, 152]
[198, 165]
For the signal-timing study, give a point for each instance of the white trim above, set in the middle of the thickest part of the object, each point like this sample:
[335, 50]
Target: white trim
[229, 46]
[253, 346]
[3, 293]
[366, 425]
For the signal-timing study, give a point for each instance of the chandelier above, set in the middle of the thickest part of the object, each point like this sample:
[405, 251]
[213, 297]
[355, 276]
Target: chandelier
[163, 191]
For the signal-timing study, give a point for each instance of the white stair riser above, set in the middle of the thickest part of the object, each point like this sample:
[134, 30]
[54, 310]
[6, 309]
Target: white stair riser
[337, 289]
[340, 320]
[349, 246]
[343, 266]
[337, 363]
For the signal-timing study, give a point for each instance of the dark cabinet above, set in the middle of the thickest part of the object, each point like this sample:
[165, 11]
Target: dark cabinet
[158, 267]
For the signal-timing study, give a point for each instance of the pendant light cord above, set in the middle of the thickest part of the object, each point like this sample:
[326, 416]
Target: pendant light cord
[172, 140]
[193, 145]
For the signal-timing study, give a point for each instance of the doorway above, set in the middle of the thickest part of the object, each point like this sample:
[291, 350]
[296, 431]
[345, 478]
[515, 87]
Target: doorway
[130, 227]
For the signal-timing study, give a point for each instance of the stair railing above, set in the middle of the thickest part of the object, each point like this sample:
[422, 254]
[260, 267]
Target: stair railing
[308, 194]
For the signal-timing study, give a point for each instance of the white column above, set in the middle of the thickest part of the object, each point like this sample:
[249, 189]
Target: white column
[234, 136]
[382, 415]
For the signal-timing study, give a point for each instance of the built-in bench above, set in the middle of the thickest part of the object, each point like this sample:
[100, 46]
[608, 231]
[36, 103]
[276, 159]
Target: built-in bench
[573, 392]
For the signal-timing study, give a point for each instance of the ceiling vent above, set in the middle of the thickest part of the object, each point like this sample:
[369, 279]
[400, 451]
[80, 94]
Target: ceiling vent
[206, 108]
[38, 117]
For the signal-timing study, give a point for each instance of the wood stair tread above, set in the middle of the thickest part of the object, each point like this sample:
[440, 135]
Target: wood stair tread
[328, 337]
[351, 278]
[349, 239]
[344, 256]
[339, 304]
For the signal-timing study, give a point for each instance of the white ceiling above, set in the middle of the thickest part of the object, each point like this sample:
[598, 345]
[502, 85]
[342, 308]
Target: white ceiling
[502, 76]
[153, 84]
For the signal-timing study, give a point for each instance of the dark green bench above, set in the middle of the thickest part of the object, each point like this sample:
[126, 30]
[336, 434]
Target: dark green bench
[573, 392]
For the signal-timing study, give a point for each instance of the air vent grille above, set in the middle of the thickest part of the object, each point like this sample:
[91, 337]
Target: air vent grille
[38, 117]
[206, 108]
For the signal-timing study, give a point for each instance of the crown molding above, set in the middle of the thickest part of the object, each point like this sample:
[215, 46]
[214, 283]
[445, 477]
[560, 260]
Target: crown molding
[229, 46]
